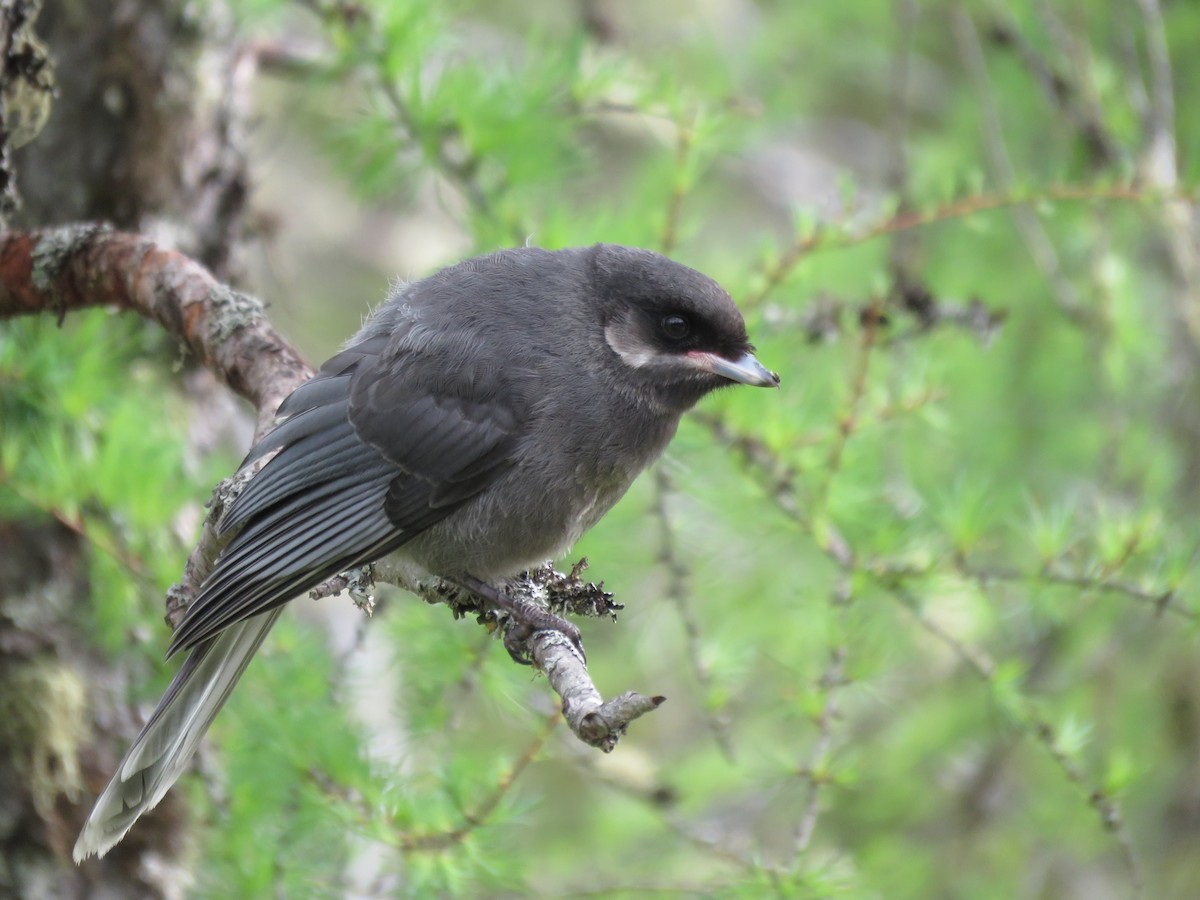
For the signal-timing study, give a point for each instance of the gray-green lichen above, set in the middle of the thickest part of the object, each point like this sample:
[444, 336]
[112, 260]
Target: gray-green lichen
[43, 706]
[54, 249]
[233, 311]
[28, 85]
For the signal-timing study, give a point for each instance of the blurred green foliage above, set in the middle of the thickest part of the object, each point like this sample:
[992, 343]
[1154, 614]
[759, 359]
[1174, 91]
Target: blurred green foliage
[78, 403]
[926, 616]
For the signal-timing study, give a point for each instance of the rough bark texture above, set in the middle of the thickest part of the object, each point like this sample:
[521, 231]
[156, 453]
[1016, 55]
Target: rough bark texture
[144, 133]
[26, 89]
[79, 266]
[60, 728]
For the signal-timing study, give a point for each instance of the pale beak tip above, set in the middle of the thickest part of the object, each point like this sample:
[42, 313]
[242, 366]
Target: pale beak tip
[746, 369]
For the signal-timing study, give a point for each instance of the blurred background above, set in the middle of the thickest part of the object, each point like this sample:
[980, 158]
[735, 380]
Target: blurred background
[926, 618]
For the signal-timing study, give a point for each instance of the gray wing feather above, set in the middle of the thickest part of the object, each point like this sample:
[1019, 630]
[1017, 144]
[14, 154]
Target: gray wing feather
[307, 545]
[301, 468]
[379, 446]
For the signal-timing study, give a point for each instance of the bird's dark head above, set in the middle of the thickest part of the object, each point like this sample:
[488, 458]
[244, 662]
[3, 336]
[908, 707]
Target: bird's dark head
[677, 332]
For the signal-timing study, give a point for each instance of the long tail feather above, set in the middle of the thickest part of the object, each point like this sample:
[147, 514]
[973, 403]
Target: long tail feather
[162, 751]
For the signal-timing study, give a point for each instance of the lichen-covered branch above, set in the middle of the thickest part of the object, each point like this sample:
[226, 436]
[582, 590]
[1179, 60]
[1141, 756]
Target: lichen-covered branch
[77, 266]
[594, 721]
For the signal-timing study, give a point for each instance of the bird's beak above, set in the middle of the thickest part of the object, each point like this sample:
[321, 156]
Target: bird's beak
[744, 370]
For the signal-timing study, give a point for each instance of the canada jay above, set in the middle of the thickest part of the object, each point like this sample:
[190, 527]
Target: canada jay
[479, 422]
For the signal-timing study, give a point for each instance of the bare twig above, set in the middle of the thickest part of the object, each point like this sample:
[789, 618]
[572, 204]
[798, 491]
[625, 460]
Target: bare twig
[1043, 731]
[679, 592]
[834, 237]
[684, 138]
[1161, 600]
[1070, 96]
[1159, 160]
[832, 680]
[1040, 247]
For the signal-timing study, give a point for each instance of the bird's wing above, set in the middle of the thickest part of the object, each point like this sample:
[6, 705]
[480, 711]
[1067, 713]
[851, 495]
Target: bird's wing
[375, 449]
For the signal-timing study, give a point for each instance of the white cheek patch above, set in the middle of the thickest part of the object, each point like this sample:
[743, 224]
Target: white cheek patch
[634, 352]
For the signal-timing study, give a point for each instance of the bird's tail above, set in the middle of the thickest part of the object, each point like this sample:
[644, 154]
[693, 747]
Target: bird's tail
[162, 751]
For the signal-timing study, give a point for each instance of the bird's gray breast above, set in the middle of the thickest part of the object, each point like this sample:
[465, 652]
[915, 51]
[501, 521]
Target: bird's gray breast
[574, 463]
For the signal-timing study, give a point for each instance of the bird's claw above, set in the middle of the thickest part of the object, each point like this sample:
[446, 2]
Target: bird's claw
[525, 620]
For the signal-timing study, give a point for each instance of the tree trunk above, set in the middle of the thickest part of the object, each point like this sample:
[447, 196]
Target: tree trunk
[138, 138]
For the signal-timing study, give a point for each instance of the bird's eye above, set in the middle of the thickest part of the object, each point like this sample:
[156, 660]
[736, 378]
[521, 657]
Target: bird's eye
[675, 327]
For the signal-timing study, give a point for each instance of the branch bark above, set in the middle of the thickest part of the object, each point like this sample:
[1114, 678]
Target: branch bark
[78, 266]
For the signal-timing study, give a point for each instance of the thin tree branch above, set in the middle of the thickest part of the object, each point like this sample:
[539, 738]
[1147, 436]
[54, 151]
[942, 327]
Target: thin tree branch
[478, 817]
[832, 680]
[1164, 600]
[458, 165]
[685, 136]
[711, 837]
[1159, 167]
[595, 721]
[1069, 96]
[1040, 247]
[472, 820]
[1159, 162]
[679, 592]
[837, 236]
[1042, 731]
[678, 582]
[79, 266]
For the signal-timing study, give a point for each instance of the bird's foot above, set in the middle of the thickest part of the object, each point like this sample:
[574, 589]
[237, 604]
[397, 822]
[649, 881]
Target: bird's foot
[525, 619]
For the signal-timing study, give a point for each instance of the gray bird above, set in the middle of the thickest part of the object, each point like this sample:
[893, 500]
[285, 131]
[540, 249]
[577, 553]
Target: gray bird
[479, 422]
